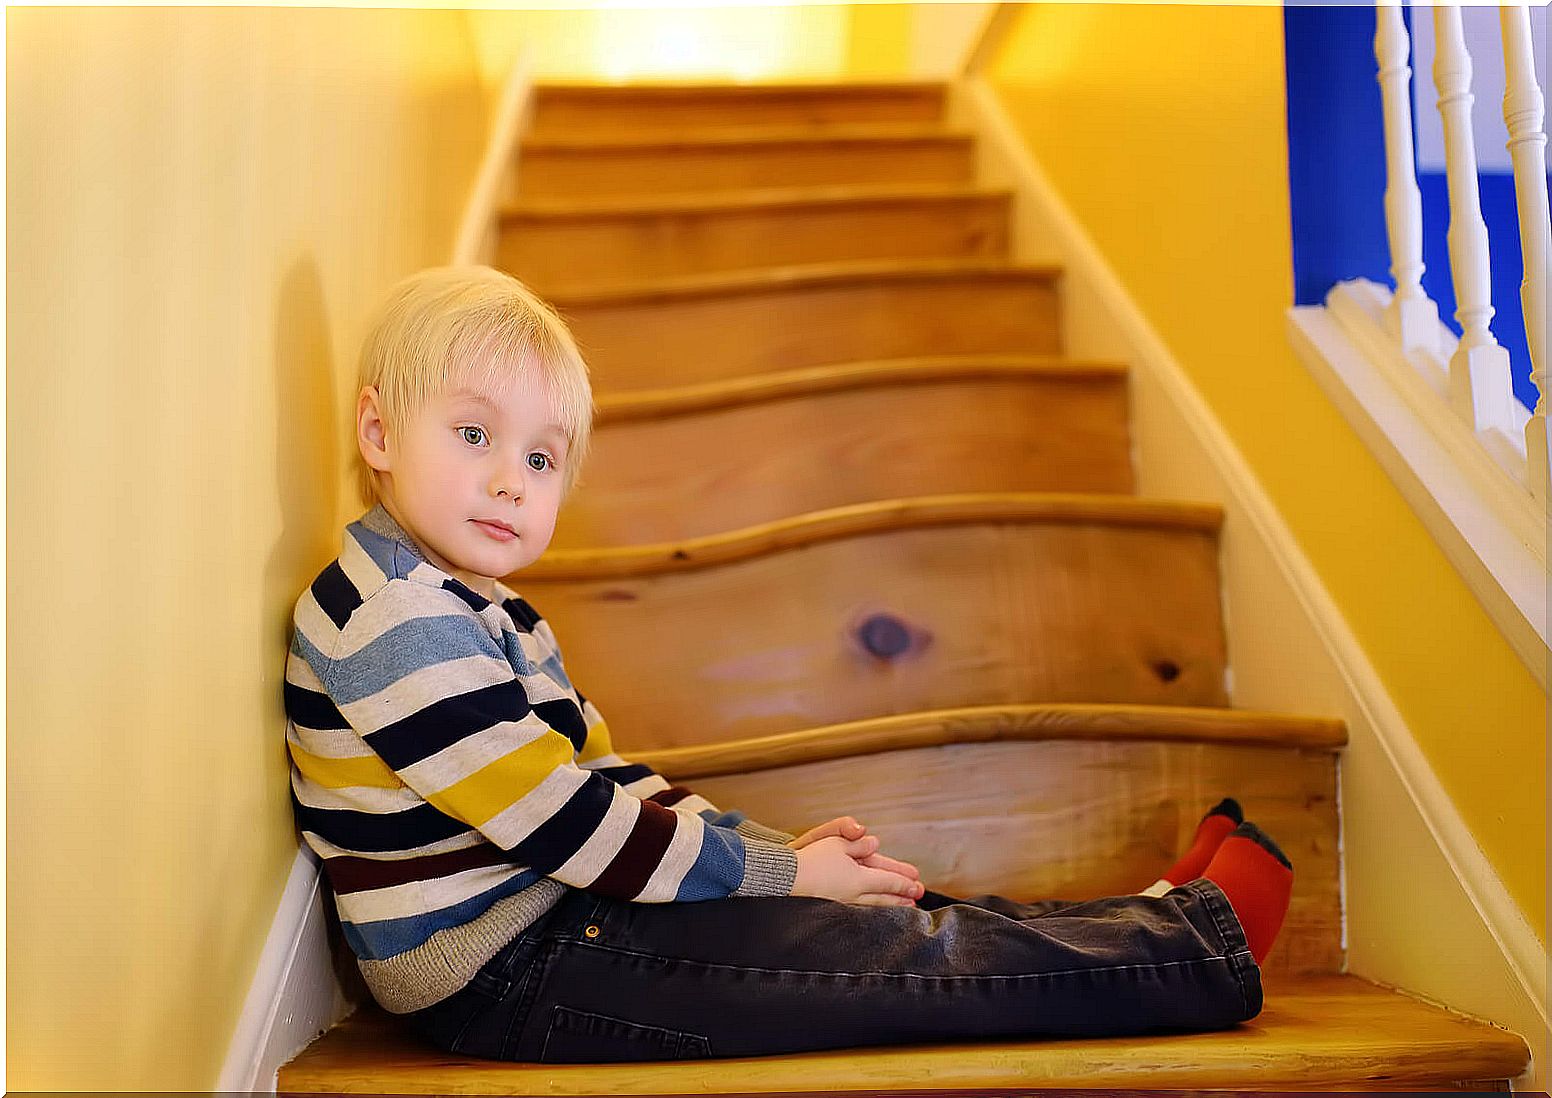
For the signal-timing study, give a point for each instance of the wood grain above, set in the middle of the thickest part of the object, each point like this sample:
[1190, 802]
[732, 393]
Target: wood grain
[858, 443]
[884, 619]
[554, 247]
[1330, 1032]
[689, 330]
[572, 108]
[1070, 819]
[753, 156]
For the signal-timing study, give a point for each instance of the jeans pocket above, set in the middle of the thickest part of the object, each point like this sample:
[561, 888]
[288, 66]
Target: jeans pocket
[581, 1037]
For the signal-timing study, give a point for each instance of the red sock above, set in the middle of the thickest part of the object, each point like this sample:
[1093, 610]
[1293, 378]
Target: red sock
[1221, 819]
[1257, 878]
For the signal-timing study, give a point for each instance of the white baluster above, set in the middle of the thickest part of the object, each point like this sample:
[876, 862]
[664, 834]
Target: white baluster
[1411, 318]
[1524, 108]
[1481, 385]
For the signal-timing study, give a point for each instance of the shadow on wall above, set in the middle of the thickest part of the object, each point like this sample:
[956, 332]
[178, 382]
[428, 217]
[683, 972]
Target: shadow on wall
[307, 465]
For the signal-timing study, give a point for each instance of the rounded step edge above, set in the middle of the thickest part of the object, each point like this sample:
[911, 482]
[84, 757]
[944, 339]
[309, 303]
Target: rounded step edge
[639, 404]
[998, 723]
[754, 198]
[798, 277]
[860, 519]
[746, 135]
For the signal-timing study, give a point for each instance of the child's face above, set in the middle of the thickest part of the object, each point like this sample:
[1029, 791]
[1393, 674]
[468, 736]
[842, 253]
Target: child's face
[472, 458]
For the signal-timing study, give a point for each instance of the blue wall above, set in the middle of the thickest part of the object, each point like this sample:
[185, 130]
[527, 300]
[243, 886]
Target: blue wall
[1336, 177]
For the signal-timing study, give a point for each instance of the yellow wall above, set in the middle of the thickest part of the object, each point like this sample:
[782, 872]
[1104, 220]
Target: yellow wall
[202, 205]
[879, 42]
[1164, 129]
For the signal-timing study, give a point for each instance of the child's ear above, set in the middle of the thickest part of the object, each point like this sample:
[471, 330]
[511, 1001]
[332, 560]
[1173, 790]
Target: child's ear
[371, 431]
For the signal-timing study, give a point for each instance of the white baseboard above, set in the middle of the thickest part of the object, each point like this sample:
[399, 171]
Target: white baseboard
[294, 997]
[1289, 645]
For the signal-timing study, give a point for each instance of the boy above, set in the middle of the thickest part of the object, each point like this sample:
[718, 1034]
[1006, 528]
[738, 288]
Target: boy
[518, 891]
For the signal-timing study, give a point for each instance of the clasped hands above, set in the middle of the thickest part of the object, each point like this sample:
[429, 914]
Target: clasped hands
[839, 860]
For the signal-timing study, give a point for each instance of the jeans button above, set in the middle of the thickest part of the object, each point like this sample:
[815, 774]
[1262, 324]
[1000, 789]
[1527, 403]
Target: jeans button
[591, 931]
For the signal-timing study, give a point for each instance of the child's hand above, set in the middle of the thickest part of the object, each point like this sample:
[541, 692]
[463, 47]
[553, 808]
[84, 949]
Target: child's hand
[847, 827]
[833, 868]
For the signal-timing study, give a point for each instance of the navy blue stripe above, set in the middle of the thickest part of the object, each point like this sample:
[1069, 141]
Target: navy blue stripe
[563, 715]
[474, 599]
[443, 723]
[336, 595]
[556, 840]
[624, 775]
[381, 832]
[522, 614]
[312, 709]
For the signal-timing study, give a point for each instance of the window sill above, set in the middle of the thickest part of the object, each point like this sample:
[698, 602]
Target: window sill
[1468, 488]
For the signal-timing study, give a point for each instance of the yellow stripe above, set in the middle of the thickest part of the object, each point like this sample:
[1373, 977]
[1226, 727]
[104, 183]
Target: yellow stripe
[597, 744]
[494, 788]
[330, 773]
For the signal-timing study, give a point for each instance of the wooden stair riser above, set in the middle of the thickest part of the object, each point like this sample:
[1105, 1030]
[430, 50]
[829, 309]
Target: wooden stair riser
[567, 111]
[1070, 819]
[553, 251]
[1061, 433]
[986, 613]
[548, 171]
[636, 344]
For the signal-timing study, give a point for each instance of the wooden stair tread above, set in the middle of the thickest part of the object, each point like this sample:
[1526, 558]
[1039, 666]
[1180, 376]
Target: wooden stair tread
[987, 723]
[750, 134]
[865, 518]
[1336, 1030]
[743, 199]
[684, 399]
[801, 276]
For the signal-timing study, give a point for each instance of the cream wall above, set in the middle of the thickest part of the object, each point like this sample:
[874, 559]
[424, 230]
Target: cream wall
[1164, 128]
[202, 204]
[666, 43]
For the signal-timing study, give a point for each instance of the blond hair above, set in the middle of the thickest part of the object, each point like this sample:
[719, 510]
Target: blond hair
[471, 325]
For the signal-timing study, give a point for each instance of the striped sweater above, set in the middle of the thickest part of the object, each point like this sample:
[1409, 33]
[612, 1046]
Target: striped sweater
[453, 781]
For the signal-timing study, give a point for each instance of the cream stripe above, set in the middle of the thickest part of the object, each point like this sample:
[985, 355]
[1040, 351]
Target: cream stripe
[584, 867]
[359, 567]
[418, 897]
[683, 850]
[512, 826]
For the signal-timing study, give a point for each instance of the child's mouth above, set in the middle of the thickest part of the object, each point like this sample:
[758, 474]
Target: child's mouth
[500, 533]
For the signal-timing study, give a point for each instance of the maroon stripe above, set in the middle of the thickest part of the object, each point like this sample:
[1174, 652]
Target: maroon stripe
[349, 874]
[670, 796]
[628, 873]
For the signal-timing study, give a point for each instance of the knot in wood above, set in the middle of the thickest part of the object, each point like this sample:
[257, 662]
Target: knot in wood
[884, 636]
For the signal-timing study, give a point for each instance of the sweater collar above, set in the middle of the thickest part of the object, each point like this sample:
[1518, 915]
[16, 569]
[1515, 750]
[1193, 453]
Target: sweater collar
[379, 521]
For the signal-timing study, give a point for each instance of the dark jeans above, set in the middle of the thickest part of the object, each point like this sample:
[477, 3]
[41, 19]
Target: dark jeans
[602, 980]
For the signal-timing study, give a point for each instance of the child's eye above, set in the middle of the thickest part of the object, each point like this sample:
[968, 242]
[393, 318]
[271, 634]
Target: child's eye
[549, 463]
[464, 431]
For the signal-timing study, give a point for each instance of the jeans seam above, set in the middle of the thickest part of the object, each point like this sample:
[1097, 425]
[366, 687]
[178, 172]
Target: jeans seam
[527, 993]
[911, 975]
[1210, 901]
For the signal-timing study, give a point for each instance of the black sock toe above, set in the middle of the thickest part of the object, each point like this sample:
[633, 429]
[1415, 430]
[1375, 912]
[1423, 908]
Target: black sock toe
[1250, 831]
[1227, 807]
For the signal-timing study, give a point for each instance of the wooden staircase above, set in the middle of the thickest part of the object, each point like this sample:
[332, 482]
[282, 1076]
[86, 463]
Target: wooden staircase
[846, 480]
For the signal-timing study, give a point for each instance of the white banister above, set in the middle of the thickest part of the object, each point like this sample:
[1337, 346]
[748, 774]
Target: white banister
[1412, 318]
[1524, 109]
[1481, 385]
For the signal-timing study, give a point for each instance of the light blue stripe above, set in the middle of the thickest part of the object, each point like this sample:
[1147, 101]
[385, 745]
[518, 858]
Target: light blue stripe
[390, 937]
[718, 870]
[406, 648]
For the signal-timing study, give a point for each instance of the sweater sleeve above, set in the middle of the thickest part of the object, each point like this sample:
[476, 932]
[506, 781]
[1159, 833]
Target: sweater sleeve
[419, 677]
[641, 780]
